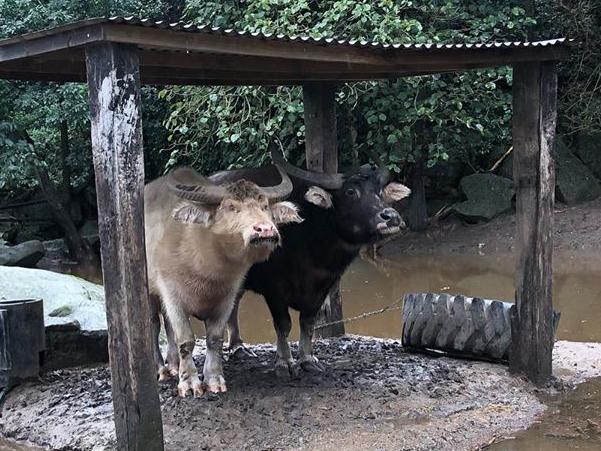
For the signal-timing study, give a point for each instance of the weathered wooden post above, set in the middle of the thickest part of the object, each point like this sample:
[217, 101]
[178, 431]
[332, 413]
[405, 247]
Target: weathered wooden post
[322, 155]
[534, 118]
[114, 85]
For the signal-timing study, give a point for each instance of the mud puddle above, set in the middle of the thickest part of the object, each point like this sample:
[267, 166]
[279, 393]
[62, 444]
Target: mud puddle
[572, 421]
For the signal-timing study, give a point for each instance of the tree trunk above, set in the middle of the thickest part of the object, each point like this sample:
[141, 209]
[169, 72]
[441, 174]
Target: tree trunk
[79, 249]
[530, 8]
[66, 170]
[175, 10]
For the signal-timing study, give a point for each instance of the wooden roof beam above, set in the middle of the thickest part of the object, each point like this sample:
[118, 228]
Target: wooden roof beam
[44, 42]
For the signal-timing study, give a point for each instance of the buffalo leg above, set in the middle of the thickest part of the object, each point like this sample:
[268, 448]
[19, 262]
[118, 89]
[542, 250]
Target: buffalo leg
[235, 343]
[308, 361]
[171, 369]
[155, 324]
[284, 364]
[213, 367]
[184, 338]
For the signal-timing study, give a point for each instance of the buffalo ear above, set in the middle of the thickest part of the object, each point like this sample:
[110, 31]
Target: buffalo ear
[394, 192]
[318, 196]
[285, 212]
[192, 214]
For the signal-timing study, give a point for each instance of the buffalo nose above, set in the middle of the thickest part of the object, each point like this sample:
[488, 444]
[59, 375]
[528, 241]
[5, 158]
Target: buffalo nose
[390, 216]
[264, 229]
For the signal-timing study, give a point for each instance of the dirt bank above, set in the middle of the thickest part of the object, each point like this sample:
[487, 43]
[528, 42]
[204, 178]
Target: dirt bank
[374, 395]
[576, 230]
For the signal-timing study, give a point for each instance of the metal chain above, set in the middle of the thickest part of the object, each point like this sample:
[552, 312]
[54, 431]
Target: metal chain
[397, 305]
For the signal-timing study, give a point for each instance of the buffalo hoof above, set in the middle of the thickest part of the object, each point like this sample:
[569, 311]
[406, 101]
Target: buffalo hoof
[312, 365]
[166, 372]
[286, 369]
[239, 351]
[190, 385]
[215, 384]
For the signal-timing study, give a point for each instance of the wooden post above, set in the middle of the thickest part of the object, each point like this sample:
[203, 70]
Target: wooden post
[534, 118]
[114, 86]
[322, 155]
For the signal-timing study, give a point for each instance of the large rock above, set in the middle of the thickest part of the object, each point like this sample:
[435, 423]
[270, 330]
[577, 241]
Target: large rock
[26, 254]
[488, 195]
[66, 298]
[574, 181]
[68, 346]
[589, 151]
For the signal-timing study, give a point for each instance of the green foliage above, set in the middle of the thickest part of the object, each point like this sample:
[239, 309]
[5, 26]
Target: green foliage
[39, 109]
[464, 116]
[458, 115]
[579, 106]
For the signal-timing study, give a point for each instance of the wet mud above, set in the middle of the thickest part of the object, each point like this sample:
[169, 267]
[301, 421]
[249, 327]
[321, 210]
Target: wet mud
[374, 395]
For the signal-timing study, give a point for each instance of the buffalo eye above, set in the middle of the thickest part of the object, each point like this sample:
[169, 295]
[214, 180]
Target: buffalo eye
[351, 192]
[265, 207]
[233, 208]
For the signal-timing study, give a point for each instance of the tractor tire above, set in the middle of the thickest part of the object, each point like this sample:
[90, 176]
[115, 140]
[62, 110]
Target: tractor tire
[457, 325]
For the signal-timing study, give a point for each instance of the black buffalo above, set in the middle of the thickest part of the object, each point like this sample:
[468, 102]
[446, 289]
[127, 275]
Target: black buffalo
[341, 213]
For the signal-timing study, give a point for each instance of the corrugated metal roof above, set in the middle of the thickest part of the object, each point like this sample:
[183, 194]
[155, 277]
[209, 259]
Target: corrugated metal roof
[193, 28]
[216, 55]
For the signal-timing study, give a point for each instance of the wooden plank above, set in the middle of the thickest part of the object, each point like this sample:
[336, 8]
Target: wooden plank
[50, 41]
[240, 64]
[320, 127]
[322, 155]
[153, 38]
[237, 45]
[205, 69]
[534, 120]
[114, 86]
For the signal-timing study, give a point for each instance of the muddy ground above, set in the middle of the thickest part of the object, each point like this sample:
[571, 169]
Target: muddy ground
[374, 395]
[576, 229]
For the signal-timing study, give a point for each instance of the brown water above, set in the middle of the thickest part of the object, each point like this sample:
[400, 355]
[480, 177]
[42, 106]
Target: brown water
[367, 287]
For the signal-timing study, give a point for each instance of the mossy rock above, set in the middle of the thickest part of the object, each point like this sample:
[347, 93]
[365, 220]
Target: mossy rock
[488, 195]
[61, 311]
[575, 182]
[588, 150]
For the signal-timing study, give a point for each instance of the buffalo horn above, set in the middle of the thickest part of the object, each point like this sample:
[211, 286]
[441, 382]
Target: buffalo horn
[281, 191]
[326, 181]
[206, 194]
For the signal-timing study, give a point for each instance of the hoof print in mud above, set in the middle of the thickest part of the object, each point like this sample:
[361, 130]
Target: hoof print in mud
[286, 370]
[241, 352]
[313, 367]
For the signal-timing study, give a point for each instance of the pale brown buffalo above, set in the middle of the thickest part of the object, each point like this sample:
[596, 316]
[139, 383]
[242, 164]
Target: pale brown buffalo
[201, 239]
